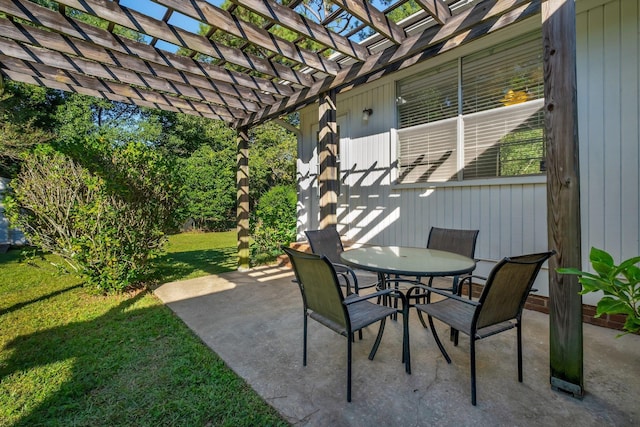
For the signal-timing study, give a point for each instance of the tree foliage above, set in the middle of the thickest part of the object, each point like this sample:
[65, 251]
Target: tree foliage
[209, 187]
[275, 222]
[25, 113]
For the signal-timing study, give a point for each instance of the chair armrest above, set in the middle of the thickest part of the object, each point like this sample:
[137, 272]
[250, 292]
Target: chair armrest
[447, 294]
[391, 292]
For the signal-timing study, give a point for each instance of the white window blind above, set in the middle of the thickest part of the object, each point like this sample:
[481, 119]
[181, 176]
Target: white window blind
[505, 141]
[506, 74]
[428, 153]
[428, 97]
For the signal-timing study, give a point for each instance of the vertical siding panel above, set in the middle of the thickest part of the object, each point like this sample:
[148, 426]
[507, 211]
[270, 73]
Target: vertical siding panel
[497, 223]
[540, 237]
[506, 223]
[528, 219]
[484, 250]
[595, 166]
[516, 220]
[611, 131]
[630, 134]
[582, 66]
[474, 208]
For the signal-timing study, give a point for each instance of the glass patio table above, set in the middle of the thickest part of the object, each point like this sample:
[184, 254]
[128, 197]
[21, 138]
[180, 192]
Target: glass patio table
[406, 261]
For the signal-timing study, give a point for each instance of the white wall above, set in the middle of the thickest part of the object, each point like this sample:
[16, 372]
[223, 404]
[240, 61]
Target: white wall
[510, 213]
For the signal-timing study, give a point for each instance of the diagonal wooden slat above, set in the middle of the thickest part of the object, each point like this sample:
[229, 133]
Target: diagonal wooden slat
[223, 20]
[485, 17]
[120, 74]
[152, 27]
[438, 9]
[37, 80]
[288, 18]
[76, 79]
[79, 30]
[371, 16]
[87, 50]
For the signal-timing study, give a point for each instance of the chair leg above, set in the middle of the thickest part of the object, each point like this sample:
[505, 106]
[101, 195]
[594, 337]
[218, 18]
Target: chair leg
[376, 344]
[519, 338]
[472, 354]
[349, 370]
[435, 337]
[304, 339]
[406, 348]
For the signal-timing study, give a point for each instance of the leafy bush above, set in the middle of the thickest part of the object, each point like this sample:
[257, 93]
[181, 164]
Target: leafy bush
[106, 218]
[619, 283]
[274, 222]
[210, 188]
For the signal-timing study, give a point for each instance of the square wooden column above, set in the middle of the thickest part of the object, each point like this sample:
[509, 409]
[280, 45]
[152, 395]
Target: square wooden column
[327, 156]
[242, 198]
[563, 194]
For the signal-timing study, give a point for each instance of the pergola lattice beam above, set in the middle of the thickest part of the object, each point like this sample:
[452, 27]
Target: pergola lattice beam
[375, 19]
[438, 9]
[112, 43]
[124, 75]
[223, 20]
[141, 23]
[290, 19]
[77, 79]
[482, 19]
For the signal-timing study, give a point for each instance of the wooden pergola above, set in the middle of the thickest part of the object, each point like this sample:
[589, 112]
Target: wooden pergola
[258, 60]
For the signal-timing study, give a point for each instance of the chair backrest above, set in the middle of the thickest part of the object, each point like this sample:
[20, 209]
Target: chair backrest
[461, 242]
[320, 288]
[326, 242]
[507, 288]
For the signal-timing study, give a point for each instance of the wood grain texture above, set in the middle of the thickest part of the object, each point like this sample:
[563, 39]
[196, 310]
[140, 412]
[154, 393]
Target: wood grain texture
[563, 193]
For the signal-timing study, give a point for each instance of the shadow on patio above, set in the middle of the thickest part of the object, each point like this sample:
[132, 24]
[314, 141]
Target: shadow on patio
[253, 321]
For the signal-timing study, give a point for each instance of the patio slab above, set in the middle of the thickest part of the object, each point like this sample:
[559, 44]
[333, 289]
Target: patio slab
[253, 321]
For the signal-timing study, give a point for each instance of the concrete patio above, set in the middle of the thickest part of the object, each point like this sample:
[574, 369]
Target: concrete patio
[253, 321]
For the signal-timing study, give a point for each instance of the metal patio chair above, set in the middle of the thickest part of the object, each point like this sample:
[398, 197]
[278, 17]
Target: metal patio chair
[324, 302]
[461, 242]
[498, 309]
[327, 242]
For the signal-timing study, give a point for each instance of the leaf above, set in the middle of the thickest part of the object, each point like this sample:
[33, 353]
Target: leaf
[594, 284]
[608, 305]
[630, 271]
[632, 324]
[601, 261]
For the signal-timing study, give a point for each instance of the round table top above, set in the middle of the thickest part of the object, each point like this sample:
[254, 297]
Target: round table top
[408, 261]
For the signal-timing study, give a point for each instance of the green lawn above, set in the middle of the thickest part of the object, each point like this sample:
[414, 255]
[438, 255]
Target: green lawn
[68, 358]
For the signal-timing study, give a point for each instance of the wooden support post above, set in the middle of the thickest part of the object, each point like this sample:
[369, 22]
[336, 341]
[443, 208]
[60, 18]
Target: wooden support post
[242, 182]
[327, 156]
[563, 194]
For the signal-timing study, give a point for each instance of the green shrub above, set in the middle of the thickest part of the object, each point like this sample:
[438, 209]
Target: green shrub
[274, 222]
[107, 219]
[620, 285]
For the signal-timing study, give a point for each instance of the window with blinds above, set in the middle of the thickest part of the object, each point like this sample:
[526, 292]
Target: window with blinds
[487, 106]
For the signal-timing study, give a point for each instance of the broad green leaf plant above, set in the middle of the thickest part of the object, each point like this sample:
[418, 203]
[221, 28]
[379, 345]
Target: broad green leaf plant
[619, 283]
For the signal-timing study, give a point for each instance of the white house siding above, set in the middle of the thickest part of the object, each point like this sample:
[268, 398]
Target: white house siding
[510, 213]
[608, 113]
